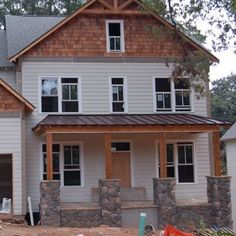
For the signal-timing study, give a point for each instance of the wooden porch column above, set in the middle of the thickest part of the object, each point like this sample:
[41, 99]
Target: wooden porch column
[49, 156]
[162, 153]
[108, 161]
[216, 152]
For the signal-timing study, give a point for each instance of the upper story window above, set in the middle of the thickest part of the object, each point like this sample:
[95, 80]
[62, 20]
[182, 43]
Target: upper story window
[172, 96]
[163, 94]
[115, 36]
[118, 95]
[60, 94]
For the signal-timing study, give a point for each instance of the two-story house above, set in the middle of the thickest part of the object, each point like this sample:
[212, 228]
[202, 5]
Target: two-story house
[89, 97]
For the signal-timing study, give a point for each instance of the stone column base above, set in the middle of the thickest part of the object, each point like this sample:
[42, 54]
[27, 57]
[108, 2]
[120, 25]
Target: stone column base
[109, 201]
[50, 203]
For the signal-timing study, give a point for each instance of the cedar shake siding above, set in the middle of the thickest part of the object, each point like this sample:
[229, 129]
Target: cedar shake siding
[85, 35]
[9, 102]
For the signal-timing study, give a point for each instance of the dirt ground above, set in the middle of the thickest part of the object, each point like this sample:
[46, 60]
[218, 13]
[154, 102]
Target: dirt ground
[23, 230]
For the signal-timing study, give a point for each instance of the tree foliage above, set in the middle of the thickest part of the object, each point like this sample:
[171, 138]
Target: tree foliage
[37, 7]
[223, 98]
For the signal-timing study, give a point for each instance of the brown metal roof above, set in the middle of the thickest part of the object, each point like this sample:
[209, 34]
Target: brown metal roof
[127, 120]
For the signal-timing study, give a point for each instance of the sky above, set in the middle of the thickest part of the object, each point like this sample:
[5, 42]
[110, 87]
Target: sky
[226, 66]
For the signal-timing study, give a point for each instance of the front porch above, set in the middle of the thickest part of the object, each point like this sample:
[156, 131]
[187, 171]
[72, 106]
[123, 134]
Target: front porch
[156, 147]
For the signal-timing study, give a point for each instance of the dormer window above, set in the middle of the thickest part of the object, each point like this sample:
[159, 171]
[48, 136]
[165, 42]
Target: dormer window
[115, 35]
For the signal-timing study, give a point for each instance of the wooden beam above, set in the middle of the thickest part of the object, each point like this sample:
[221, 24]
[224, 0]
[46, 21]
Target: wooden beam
[125, 4]
[105, 4]
[125, 128]
[108, 160]
[115, 11]
[162, 154]
[49, 156]
[115, 4]
[216, 152]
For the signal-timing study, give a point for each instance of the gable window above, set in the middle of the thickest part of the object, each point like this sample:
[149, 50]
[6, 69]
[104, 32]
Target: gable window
[172, 95]
[180, 162]
[60, 94]
[56, 161]
[115, 35]
[118, 95]
[72, 173]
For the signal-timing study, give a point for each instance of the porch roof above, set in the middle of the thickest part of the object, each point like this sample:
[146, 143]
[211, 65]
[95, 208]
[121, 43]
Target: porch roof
[128, 123]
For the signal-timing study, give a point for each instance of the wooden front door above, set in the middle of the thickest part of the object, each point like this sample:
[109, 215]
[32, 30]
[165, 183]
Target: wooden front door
[121, 168]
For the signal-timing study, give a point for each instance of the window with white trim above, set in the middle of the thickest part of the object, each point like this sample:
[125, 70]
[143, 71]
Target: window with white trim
[163, 94]
[72, 165]
[115, 35]
[117, 94]
[172, 95]
[182, 96]
[180, 162]
[56, 161]
[59, 94]
[185, 163]
[67, 164]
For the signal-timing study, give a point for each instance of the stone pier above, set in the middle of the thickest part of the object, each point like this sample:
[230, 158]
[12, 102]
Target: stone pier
[219, 196]
[50, 203]
[164, 198]
[109, 201]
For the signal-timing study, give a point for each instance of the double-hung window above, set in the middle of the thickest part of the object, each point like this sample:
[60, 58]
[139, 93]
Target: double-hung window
[180, 162]
[56, 161]
[185, 162]
[172, 95]
[163, 94]
[70, 102]
[72, 167]
[67, 165]
[115, 35]
[118, 95]
[182, 96]
[49, 94]
[60, 94]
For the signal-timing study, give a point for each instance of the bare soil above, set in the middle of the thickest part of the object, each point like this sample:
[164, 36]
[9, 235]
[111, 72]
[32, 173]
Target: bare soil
[7, 229]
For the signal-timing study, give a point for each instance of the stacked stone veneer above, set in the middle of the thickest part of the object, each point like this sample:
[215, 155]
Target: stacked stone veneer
[108, 212]
[219, 195]
[50, 203]
[109, 201]
[81, 218]
[216, 211]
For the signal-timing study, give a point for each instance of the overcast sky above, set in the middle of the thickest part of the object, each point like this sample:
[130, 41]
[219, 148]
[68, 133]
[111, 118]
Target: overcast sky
[226, 66]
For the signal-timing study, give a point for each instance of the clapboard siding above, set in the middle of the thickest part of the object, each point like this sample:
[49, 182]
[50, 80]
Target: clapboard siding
[10, 143]
[95, 83]
[231, 167]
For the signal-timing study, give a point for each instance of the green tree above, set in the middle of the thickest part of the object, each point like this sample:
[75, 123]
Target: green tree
[37, 7]
[223, 98]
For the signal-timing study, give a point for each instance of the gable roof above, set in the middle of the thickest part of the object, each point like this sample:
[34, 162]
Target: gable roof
[230, 134]
[14, 54]
[4, 62]
[28, 106]
[21, 31]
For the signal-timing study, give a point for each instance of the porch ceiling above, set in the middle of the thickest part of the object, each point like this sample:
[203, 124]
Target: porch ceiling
[127, 123]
